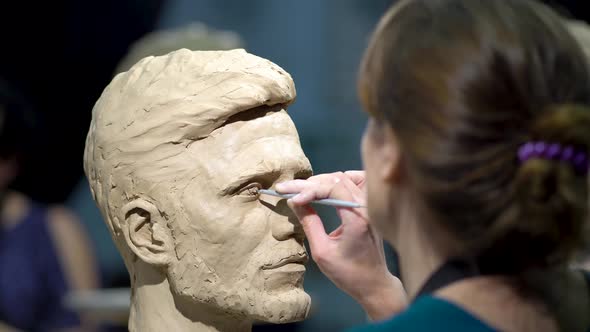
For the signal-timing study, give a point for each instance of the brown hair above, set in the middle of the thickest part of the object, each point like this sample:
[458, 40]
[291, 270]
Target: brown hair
[464, 84]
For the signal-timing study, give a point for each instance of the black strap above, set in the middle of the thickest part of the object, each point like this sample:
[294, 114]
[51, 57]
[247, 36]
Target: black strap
[458, 269]
[587, 277]
[450, 272]
[586, 274]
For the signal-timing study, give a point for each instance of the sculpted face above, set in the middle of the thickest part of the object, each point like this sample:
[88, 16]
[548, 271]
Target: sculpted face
[238, 252]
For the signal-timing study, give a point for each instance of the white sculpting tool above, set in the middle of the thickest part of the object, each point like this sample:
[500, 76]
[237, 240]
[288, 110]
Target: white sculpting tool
[325, 201]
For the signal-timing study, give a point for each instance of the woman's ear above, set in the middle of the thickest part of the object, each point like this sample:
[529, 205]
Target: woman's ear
[388, 149]
[146, 232]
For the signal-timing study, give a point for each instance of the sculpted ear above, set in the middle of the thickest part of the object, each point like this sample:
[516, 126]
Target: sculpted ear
[146, 232]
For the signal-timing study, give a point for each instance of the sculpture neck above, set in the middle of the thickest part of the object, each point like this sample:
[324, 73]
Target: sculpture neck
[154, 309]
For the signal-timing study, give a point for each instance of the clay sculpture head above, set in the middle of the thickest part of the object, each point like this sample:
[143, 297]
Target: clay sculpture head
[176, 150]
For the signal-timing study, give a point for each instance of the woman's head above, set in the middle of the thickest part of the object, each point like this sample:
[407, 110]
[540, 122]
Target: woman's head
[454, 89]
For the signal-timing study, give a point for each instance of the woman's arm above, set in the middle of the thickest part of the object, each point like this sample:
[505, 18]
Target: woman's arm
[6, 328]
[74, 253]
[352, 256]
[73, 249]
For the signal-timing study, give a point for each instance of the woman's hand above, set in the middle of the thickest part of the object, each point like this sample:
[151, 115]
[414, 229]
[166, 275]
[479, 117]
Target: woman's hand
[351, 256]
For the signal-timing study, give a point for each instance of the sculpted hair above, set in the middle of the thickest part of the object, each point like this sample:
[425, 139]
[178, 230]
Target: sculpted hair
[166, 102]
[464, 84]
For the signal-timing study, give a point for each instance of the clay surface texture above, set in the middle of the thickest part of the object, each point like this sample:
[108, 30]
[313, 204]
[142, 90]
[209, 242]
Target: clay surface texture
[177, 148]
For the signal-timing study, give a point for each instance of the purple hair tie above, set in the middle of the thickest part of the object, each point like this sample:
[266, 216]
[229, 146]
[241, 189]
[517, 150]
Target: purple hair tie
[526, 152]
[577, 158]
[580, 162]
[567, 154]
[553, 151]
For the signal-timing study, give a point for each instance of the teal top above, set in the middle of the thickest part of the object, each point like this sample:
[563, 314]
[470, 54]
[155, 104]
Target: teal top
[429, 314]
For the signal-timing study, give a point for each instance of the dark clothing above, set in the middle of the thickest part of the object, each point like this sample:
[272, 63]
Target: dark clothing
[32, 282]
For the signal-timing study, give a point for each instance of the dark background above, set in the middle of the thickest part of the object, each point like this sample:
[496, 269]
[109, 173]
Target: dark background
[61, 55]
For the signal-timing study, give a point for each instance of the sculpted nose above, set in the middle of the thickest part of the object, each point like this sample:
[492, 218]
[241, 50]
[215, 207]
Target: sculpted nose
[285, 226]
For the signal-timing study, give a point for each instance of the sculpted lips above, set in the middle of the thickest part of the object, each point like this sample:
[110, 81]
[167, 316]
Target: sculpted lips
[298, 258]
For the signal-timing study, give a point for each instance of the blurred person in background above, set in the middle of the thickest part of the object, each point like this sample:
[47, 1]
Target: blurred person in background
[476, 157]
[44, 252]
[194, 36]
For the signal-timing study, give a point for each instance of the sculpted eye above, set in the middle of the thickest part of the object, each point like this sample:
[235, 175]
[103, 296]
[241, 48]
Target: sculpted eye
[250, 189]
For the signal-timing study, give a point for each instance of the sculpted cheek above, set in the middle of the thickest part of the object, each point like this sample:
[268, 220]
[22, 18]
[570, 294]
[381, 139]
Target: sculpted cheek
[254, 226]
[241, 249]
[237, 240]
[244, 224]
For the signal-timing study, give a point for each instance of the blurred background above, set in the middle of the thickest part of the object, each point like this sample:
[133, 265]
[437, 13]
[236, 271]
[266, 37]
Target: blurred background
[56, 59]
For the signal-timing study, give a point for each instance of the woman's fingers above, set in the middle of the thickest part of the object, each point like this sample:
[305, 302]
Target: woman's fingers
[312, 226]
[293, 186]
[312, 193]
[328, 178]
[297, 186]
[334, 185]
[358, 177]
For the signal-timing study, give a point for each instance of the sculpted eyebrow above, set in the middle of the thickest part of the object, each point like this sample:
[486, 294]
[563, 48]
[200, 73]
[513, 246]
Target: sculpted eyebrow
[247, 115]
[253, 113]
[264, 177]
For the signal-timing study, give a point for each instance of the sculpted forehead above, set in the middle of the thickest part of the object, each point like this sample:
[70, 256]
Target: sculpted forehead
[238, 135]
[268, 144]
